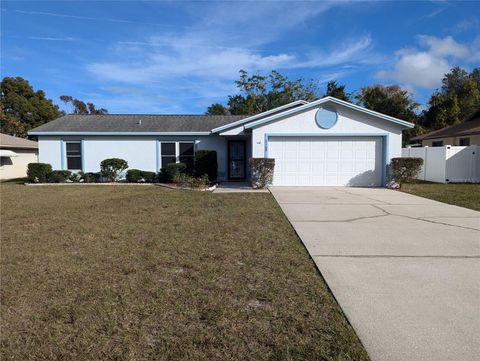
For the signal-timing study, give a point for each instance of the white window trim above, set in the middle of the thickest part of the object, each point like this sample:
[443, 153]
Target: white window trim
[177, 149]
[65, 142]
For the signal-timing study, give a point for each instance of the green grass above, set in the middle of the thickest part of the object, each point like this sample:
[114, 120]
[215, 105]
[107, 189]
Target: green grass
[145, 273]
[463, 195]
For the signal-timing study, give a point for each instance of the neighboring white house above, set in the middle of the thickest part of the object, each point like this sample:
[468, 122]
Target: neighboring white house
[15, 154]
[325, 142]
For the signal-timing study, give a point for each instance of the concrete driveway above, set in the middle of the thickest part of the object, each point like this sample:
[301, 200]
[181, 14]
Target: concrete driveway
[405, 269]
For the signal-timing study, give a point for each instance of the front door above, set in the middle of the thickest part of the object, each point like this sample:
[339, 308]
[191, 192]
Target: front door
[236, 159]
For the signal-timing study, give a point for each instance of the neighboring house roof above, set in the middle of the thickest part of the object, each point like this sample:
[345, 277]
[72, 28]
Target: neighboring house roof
[330, 100]
[134, 123]
[8, 141]
[460, 130]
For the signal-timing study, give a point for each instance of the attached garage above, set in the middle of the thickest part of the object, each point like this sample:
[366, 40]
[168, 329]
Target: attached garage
[328, 142]
[327, 161]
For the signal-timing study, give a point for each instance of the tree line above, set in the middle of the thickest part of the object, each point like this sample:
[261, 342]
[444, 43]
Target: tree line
[455, 102]
[22, 108]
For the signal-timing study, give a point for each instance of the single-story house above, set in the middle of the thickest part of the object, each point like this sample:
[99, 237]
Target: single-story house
[464, 134]
[15, 154]
[324, 142]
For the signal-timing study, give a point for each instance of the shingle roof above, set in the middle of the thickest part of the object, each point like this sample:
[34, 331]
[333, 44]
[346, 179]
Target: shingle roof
[136, 123]
[467, 128]
[8, 141]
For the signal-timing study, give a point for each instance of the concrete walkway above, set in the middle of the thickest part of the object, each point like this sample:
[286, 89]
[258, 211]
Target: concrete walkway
[405, 269]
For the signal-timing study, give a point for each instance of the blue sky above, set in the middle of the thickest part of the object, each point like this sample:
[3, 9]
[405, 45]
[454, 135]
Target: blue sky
[179, 57]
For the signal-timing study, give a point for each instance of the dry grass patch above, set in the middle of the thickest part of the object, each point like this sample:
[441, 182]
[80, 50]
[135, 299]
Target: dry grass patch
[134, 273]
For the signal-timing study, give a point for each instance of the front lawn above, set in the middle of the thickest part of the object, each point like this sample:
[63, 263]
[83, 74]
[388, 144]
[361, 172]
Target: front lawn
[145, 273]
[463, 195]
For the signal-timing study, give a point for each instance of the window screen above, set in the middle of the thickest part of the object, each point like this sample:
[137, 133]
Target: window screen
[168, 154]
[186, 154]
[74, 155]
[465, 142]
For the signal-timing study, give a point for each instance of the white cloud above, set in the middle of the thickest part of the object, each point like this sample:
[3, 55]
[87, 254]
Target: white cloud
[204, 60]
[420, 69]
[425, 68]
[46, 38]
[443, 47]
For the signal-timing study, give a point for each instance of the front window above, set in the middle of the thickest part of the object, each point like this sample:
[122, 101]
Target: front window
[437, 143]
[168, 154]
[177, 152]
[186, 154]
[74, 155]
[465, 142]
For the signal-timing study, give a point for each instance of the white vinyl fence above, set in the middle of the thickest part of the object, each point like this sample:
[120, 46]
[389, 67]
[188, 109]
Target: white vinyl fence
[448, 164]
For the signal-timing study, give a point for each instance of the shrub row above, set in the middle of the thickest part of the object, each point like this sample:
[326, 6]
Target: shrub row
[140, 176]
[110, 169]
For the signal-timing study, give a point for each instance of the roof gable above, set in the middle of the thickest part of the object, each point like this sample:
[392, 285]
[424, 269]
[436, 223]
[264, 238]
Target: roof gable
[327, 100]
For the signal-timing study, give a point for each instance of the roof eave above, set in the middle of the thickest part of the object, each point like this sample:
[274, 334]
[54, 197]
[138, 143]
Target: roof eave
[256, 116]
[116, 133]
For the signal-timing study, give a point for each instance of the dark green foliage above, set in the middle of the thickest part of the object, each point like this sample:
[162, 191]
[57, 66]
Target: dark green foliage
[137, 175]
[389, 100]
[79, 107]
[217, 109]
[337, 91]
[261, 170]
[22, 108]
[455, 102]
[112, 168]
[206, 163]
[59, 176]
[174, 170]
[260, 93]
[38, 172]
[90, 177]
[405, 169]
[134, 175]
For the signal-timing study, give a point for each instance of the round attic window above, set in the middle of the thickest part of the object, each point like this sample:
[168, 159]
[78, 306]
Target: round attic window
[326, 118]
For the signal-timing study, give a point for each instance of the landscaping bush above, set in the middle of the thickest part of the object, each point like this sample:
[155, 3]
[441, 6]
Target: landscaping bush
[75, 177]
[59, 176]
[137, 175]
[405, 169]
[134, 175]
[185, 180]
[261, 170]
[38, 172]
[90, 177]
[150, 177]
[174, 170]
[206, 163]
[112, 168]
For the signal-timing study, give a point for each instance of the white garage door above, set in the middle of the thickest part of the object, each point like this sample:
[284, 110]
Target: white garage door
[326, 161]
